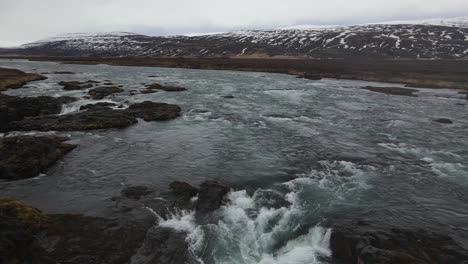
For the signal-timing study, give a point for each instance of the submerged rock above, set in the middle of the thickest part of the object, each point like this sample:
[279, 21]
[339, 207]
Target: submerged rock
[136, 192]
[444, 121]
[75, 85]
[228, 96]
[25, 156]
[13, 79]
[366, 244]
[101, 92]
[157, 86]
[392, 90]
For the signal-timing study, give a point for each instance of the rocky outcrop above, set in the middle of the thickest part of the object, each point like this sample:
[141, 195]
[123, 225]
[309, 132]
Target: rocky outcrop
[183, 189]
[12, 79]
[29, 236]
[14, 108]
[392, 90]
[25, 156]
[362, 243]
[101, 92]
[75, 85]
[210, 196]
[19, 223]
[99, 118]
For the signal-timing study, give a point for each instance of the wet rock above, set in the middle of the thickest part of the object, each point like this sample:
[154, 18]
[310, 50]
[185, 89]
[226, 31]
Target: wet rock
[152, 111]
[210, 196]
[157, 86]
[108, 83]
[183, 189]
[75, 85]
[312, 76]
[98, 106]
[228, 96]
[25, 156]
[392, 90]
[444, 121]
[99, 118]
[164, 245]
[101, 92]
[14, 108]
[88, 120]
[92, 81]
[136, 192]
[19, 223]
[367, 244]
[13, 79]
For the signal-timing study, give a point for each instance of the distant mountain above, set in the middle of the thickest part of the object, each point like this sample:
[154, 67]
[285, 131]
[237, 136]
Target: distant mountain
[427, 39]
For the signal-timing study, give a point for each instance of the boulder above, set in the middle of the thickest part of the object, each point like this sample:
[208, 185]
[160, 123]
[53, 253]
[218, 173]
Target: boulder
[210, 196]
[183, 189]
[153, 111]
[75, 85]
[101, 92]
[25, 156]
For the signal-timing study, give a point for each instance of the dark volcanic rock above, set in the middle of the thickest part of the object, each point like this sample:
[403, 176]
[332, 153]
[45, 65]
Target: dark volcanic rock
[101, 92]
[157, 86]
[363, 243]
[75, 85]
[164, 245]
[108, 83]
[98, 106]
[25, 157]
[228, 96]
[88, 120]
[19, 223]
[12, 79]
[99, 117]
[183, 189]
[29, 236]
[392, 90]
[136, 192]
[210, 196]
[152, 111]
[14, 108]
[444, 121]
[92, 81]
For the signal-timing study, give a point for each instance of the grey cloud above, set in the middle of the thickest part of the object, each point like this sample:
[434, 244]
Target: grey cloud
[28, 20]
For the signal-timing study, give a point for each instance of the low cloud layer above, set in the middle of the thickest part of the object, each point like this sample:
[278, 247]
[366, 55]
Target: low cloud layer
[23, 21]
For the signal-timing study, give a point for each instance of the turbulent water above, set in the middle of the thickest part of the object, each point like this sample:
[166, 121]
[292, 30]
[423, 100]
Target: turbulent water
[300, 155]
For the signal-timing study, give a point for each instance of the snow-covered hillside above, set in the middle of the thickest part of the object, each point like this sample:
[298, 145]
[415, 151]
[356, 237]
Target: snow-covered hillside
[421, 39]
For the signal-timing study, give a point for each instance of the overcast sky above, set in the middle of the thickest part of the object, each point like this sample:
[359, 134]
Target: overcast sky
[23, 21]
